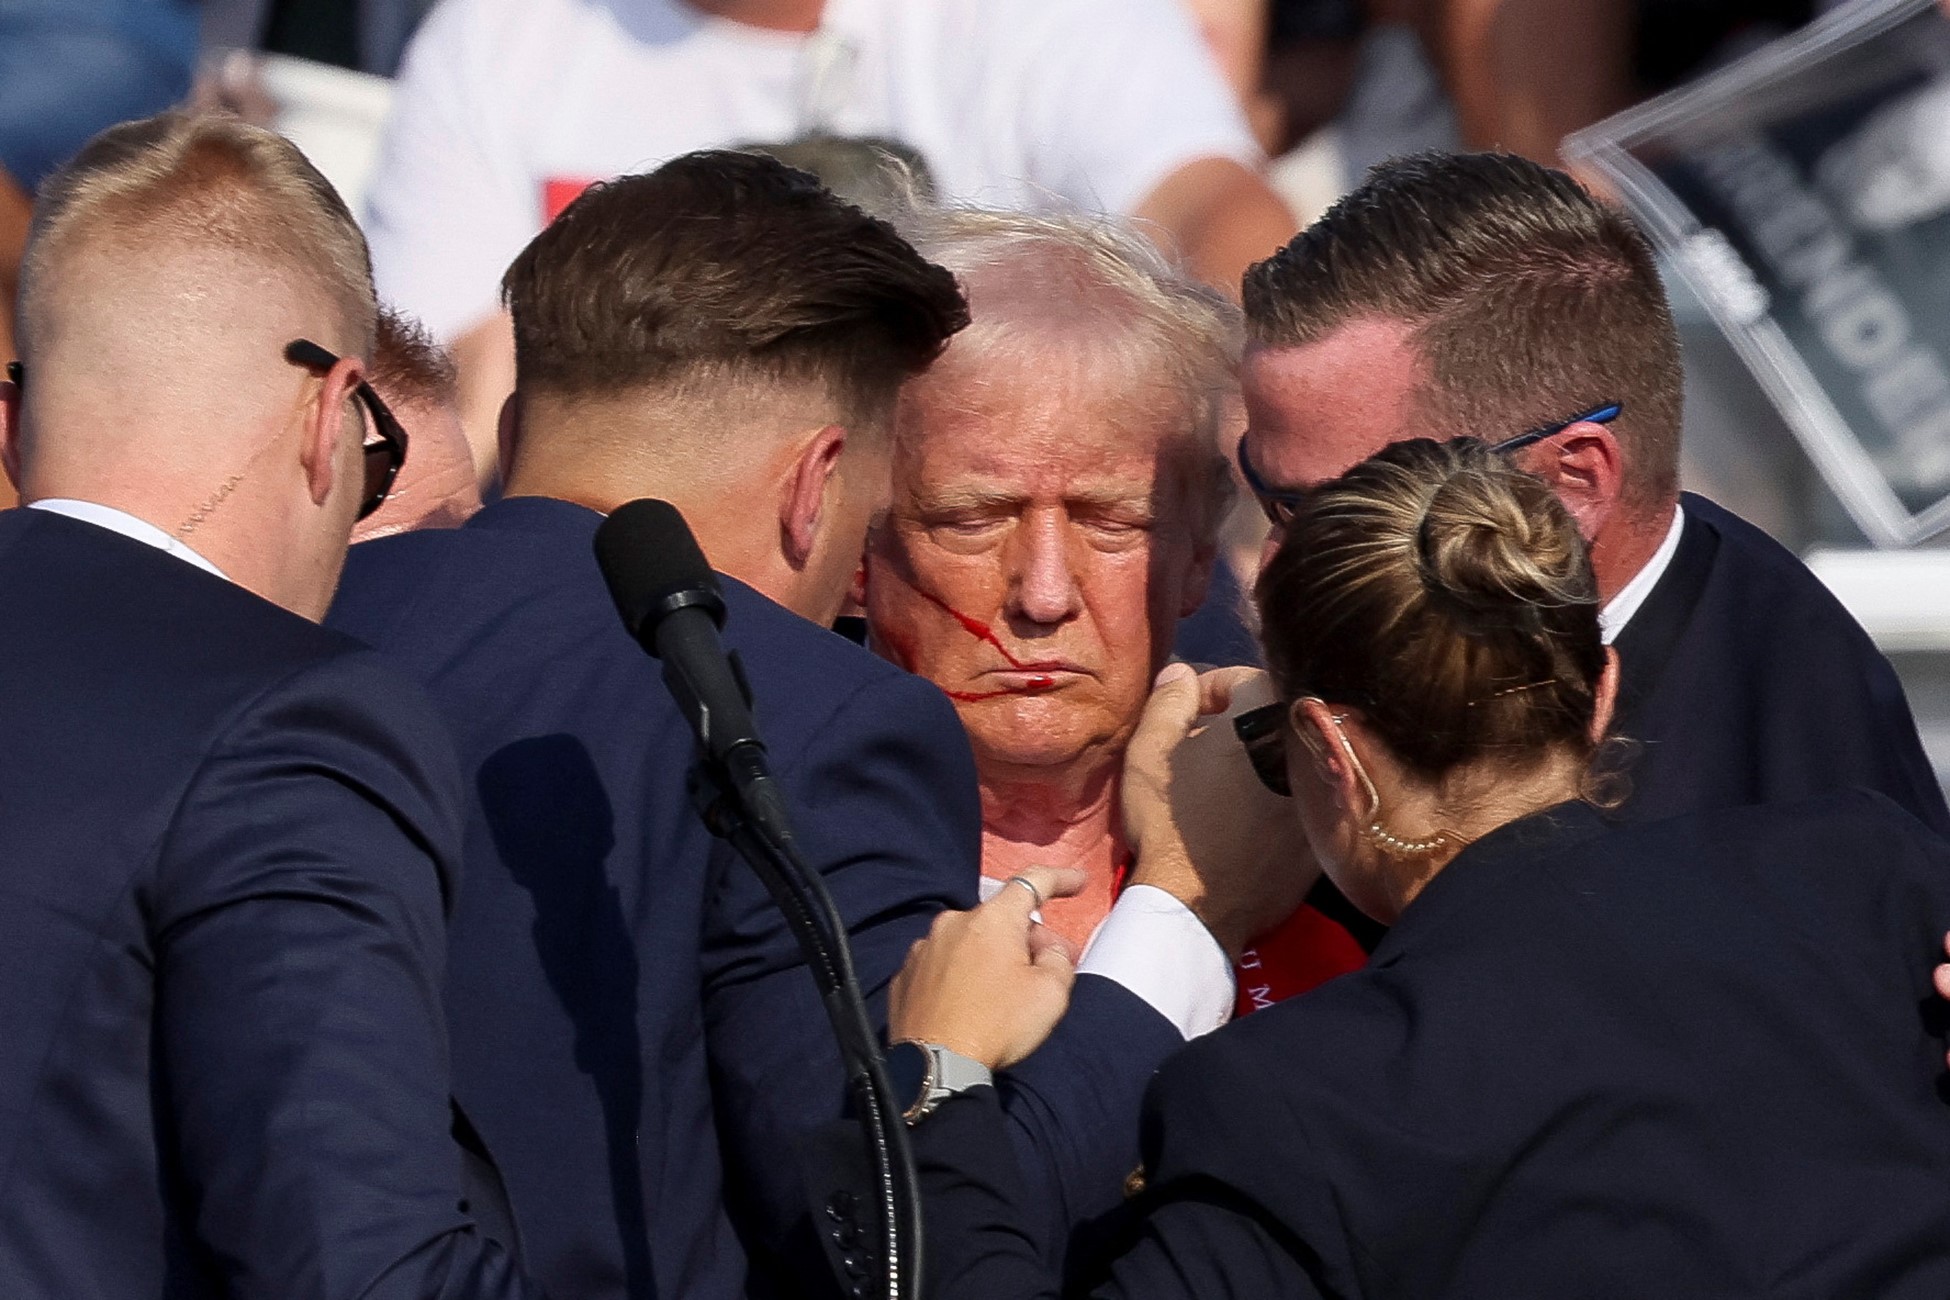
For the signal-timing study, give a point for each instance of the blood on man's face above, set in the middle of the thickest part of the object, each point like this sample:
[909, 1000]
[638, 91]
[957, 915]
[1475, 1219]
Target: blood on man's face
[1038, 555]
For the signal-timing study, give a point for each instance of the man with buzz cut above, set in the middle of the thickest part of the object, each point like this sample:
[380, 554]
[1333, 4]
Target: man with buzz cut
[1486, 295]
[635, 1033]
[227, 835]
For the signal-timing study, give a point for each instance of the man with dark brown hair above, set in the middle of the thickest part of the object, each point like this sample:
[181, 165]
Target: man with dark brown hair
[1484, 294]
[624, 999]
[634, 1032]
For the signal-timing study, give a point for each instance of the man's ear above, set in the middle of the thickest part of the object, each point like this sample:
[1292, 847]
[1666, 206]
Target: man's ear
[1585, 466]
[10, 431]
[803, 505]
[856, 588]
[327, 421]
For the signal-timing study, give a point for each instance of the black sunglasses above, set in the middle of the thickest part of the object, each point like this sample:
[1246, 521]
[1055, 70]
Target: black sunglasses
[382, 458]
[1263, 733]
[1281, 504]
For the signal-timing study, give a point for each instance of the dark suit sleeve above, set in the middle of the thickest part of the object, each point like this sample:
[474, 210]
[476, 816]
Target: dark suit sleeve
[883, 801]
[301, 1049]
[1196, 1239]
[1072, 1107]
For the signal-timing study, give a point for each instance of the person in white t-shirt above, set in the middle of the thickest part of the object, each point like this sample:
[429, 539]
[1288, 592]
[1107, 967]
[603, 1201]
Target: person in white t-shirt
[507, 108]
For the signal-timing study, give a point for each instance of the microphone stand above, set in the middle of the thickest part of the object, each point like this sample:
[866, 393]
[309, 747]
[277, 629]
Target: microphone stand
[762, 835]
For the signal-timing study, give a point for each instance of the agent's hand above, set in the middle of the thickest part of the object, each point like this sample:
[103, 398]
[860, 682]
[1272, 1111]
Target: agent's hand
[1201, 824]
[990, 983]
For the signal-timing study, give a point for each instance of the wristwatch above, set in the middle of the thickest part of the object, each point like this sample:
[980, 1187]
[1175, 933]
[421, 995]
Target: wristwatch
[927, 1074]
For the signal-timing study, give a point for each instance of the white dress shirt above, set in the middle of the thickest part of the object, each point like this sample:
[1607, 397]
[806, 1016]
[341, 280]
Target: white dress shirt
[121, 521]
[1154, 946]
[1619, 609]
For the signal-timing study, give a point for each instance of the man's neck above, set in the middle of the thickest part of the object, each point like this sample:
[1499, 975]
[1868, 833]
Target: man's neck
[773, 15]
[1047, 804]
[1069, 822]
[1626, 545]
[726, 535]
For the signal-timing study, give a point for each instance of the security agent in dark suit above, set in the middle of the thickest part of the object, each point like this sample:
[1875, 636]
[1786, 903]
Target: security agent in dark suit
[1486, 295]
[634, 1031]
[228, 834]
[1692, 1057]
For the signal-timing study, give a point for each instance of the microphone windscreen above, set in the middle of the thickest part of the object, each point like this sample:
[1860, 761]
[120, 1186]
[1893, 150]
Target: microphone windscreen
[648, 556]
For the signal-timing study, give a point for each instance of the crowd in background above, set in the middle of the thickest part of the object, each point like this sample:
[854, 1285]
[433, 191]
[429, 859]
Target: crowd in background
[1326, 87]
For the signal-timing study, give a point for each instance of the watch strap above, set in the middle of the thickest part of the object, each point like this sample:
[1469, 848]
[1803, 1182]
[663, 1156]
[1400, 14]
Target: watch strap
[948, 1073]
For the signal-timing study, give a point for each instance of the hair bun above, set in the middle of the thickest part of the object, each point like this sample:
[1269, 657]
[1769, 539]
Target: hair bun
[1448, 595]
[1489, 543]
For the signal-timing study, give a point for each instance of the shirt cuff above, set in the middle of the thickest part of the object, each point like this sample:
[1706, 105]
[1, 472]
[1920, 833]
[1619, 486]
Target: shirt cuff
[1154, 946]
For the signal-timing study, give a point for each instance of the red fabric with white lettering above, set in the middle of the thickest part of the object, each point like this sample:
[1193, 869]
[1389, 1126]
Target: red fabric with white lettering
[1303, 952]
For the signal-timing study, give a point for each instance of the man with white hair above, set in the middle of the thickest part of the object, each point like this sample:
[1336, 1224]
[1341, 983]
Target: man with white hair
[1057, 491]
[1057, 494]
[228, 834]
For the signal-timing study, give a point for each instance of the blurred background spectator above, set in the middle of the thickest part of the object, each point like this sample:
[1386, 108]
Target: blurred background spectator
[507, 108]
[1349, 83]
[363, 35]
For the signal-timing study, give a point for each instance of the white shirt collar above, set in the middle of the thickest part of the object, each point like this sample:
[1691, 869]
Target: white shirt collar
[1619, 609]
[121, 521]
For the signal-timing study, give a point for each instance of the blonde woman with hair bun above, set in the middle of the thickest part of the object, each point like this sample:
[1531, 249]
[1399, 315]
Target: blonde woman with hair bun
[1691, 1057]
[1432, 631]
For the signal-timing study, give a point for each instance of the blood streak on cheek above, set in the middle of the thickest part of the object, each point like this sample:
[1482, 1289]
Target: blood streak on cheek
[975, 627]
[981, 631]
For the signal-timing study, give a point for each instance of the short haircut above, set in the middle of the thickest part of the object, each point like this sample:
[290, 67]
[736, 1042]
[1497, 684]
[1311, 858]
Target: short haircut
[203, 180]
[1529, 300]
[724, 269]
[408, 367]
[1096, 282]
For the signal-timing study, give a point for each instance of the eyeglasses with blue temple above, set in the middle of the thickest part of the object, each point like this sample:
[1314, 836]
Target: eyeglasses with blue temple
[1280, 504]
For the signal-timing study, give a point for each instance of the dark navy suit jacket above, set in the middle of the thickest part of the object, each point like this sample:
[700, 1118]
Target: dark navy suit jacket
[634, 1032]
[225, 836]
[1745, 681]
[1699, 1057]
[1742, 680]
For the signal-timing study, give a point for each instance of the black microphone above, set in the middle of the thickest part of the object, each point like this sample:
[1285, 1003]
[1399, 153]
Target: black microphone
[670, 602]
